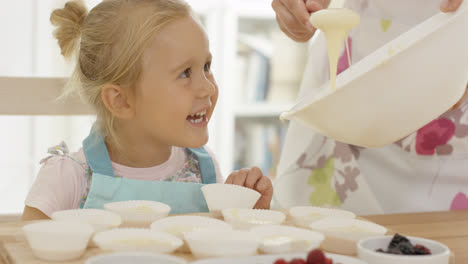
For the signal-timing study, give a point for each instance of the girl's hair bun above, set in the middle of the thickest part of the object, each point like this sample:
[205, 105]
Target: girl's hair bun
[68, 21]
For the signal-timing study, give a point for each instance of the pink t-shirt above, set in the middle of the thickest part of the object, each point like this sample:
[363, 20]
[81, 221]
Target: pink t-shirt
[62, 180]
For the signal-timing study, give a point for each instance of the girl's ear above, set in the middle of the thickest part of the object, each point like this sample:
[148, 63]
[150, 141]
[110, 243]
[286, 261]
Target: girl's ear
[117, 101]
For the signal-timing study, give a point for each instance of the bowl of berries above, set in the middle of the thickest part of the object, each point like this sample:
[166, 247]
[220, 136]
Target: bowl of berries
[402, 250]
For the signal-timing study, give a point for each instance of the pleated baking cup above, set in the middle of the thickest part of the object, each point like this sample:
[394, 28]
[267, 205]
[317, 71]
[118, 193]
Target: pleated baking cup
[220, 196]
[58, 240]
[137, 239]
[222, 243]
[180, 225]
[139, 213]
[100, 219]
[135, 257]
[241, 218]
[303, 216]
[342, 234]
[278, 239]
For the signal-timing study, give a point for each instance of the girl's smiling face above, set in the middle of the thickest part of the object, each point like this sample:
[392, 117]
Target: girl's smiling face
[176, 92]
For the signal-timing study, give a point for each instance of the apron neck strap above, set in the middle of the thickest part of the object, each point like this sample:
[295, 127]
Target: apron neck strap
[207, 167]
[96, 154]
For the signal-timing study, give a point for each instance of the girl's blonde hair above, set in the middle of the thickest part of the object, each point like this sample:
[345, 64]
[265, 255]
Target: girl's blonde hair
[109, 42]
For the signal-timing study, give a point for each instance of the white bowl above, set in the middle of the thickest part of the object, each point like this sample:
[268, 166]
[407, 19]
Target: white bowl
[287, 239]
[139, 213]
[303, 216]
[241, 218]
[342, 234]
[100, 219]
[270, 259]
[137, 239]
[367, 252]
[395, 90]
[58, 241]
[134, 258]
[182, 224]
[222, 243]
[220, 196]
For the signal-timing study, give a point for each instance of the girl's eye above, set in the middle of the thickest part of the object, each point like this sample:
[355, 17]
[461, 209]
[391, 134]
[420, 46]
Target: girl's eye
[186, 73]
[208, 66]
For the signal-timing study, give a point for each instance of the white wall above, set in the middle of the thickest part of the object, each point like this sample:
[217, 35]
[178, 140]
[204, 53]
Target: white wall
[27, 48]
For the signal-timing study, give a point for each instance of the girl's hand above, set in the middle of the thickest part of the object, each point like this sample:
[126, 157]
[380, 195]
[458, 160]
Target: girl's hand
[253, 178]
[450, 5]
[293, 17]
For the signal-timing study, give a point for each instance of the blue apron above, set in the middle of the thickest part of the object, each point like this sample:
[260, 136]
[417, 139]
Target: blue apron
[182, 197]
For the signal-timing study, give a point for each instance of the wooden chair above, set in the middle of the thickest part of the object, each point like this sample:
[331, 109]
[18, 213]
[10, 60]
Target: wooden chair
[37, 96]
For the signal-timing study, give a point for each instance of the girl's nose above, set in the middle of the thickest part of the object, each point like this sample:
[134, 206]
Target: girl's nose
[206, 86]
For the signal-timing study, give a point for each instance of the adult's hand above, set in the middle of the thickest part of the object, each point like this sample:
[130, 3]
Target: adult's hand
[293, 17]
[450, 5]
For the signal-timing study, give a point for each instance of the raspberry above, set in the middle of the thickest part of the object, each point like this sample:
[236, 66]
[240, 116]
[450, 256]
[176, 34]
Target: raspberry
[316, 256]
[280, 261]
[421, 250]
[297, 261]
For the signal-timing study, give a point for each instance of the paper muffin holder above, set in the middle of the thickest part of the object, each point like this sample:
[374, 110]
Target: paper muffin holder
[278, 239]
[342, 234]
[135, 257]
[100, 219]
[137, 239]
[303, 216]
[58, 241]
[242, 218]
[222, 243]
[220, 196]
[139, 213]
[182, 224]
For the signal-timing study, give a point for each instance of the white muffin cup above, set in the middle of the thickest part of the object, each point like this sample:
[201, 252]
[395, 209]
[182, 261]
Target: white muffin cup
[135, 257]
[58, 241]
[137, 239]
[241, 218]
[220, 196]
[222, 243]
[180, 225]
[101, 220]
[139, 213]
[342, 234]
[303, 216]
[287, 239]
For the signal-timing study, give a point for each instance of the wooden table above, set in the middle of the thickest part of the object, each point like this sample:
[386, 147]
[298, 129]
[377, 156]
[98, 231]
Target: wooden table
[450, 228]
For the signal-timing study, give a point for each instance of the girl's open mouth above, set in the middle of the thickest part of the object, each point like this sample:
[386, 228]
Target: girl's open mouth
[198, 118]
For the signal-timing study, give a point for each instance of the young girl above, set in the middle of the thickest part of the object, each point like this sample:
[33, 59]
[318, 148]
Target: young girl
[425, 171]
[144, 65]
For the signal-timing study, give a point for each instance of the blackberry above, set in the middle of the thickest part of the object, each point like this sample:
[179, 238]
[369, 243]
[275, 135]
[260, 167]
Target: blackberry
[406, 248]
[396, 240]
[401, 245]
